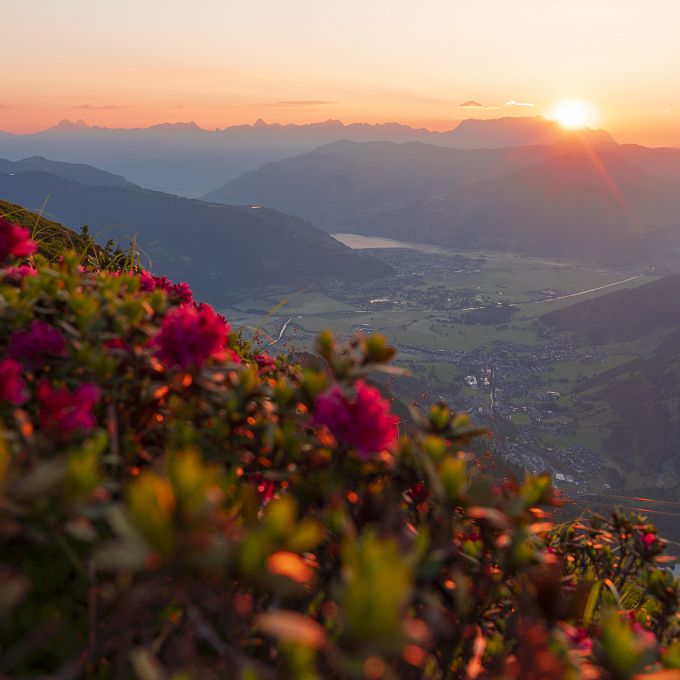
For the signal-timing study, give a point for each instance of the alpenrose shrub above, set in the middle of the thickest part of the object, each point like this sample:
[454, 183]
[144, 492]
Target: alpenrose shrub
[173, 506]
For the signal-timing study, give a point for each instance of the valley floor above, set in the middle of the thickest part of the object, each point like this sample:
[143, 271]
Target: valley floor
[467, 325]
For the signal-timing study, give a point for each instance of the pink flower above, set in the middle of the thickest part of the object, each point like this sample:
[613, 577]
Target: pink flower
[182, 293]
[63, 412]
[580, 639]
[189, 336]
[231, 356]
[12, 387]
[264, 361]
[179, 293]
[148, 282]
[648, 539]
[162, 282]
[35, 345]
[14, 241]
[19, 272]
[365, 422]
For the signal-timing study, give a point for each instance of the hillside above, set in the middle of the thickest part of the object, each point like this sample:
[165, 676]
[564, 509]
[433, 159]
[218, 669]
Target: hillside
[53, 238]
[341, 185]
[83, 174]
[219, 249]
[574, 204]
[624, 315]
[644, 389]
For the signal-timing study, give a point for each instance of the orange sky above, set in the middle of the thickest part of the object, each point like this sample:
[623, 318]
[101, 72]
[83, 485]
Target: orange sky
[220, 62]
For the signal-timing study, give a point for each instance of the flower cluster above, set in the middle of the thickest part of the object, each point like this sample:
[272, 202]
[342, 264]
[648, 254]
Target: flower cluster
[63, 412]
[189, 336]
[364, 422]
[37, 344]
[175, 502]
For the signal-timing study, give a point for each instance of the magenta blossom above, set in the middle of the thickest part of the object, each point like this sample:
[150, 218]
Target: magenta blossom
[63, 412]
[365, 422]
[19, 272]
[12, 387]
[648, 539]
[148, 282]
[264, 361]
[179, 293]
[182, 293]
[34, 346]
[189, 336]
[14, 241]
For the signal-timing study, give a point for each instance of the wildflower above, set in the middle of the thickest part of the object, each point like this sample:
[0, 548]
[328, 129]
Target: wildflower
[364, 422]
[148, 282]
[182, 293]
[19, 272]
[579, 639]
[14, 241]
[12, 387]
[189, 336]
[648, 540]
[179, 293]
[264, 361]
[63, 412]
[35, 345]
[231, 356]
[162, 282]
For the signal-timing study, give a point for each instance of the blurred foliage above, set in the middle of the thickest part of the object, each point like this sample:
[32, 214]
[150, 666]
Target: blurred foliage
[207, 526]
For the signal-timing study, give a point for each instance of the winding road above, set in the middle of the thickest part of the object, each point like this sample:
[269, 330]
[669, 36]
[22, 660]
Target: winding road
[283, 328]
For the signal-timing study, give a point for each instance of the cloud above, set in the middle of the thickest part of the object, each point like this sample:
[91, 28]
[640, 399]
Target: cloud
[514, 102]
[293, 103]
[178, 106]
[472, 104]
[93, 107]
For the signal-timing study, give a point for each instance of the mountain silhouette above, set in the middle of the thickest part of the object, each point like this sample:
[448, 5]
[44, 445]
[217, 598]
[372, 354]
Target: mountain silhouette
[585, 203]
[185, 159]
[220, 250]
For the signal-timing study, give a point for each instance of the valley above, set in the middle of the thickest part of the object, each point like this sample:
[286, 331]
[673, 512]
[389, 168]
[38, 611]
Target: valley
[468, 328]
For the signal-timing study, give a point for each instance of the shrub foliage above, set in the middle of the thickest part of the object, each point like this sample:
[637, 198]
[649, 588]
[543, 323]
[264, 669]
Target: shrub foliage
[174, 504]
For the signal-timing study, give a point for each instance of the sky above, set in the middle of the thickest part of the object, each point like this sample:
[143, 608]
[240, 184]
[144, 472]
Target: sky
[134, 63]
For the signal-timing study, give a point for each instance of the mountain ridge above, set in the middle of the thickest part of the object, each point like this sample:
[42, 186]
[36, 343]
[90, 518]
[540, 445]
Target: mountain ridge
[594, 203]
[220, 250]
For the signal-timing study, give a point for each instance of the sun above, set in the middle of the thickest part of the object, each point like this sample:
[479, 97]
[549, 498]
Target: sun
[572, 114]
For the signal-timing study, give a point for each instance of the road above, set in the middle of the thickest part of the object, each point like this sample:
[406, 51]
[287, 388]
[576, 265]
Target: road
[283, 328]
[559, 297]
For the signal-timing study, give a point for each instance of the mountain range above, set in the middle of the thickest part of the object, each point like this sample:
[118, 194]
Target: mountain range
[567, 198]
[220, 250]
[585, 203]
[185, 159]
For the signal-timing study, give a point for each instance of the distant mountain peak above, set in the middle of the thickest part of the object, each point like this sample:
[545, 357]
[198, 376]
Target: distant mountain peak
[180, 125]
[519, 131]
[66, 124]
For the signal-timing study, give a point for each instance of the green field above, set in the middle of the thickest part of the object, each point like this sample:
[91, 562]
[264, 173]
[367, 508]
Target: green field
[429, 333]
